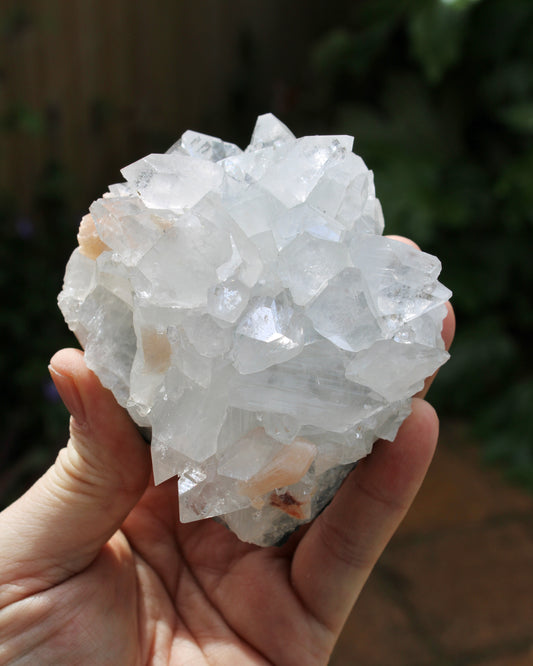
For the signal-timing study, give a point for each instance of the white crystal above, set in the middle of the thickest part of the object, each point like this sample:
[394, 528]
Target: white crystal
[268, 333]
[299, 166]
[342, 314]
[205, 492]
[204, 147]
[80, 280]
[106, 324]
[128, 227]
[343, 190]
[269, 132]
[307, 264]
[311, 387]
[246, 310]
[394, 369]
[207, 337]
[226, 301]
[402, 281]
[182, 265]
[256, 210]
[173, 181]
[304, 218]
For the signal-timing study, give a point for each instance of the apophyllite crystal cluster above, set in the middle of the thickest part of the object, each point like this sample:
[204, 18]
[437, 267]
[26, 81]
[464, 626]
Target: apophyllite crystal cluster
[247, 311]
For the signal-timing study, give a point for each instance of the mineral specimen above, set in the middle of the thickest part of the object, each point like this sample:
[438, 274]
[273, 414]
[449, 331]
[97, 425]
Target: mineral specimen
[246, 310]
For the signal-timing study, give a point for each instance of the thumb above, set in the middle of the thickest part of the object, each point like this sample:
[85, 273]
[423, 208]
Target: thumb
[59, 526]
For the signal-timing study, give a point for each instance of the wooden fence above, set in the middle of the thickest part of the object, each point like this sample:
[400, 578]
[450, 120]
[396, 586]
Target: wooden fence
[95, 84]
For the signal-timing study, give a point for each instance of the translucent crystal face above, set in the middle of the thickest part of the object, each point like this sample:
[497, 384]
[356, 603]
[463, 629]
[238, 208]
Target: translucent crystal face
[245, 307]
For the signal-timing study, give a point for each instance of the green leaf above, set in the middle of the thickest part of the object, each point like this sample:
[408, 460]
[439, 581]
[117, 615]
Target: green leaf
[459, 4]
[436, 33]
[518, 117]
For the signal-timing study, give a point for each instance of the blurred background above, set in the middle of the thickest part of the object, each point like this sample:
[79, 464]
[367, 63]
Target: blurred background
[439, 97]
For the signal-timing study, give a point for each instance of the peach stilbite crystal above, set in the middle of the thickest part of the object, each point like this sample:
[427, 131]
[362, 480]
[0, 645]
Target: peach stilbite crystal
[90, 243]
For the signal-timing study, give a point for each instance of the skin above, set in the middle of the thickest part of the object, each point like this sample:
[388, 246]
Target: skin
[95, 567]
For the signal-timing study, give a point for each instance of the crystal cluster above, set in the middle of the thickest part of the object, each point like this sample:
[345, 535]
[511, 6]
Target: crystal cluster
[246, 310]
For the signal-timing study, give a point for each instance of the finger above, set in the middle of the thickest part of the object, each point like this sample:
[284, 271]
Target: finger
[448, 327]
[405, 240]
[58, 527]
[336, 555]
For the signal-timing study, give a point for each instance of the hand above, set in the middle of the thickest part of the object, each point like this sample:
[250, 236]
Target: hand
[96, 569]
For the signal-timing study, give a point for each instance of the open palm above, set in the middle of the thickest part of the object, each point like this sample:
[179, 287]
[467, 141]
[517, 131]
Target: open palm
[95, 567]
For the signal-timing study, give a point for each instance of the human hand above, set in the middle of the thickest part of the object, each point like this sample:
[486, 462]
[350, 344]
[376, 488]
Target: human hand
[95, 567]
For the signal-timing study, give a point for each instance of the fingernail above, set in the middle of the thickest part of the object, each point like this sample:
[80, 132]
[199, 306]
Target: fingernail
[67, 389]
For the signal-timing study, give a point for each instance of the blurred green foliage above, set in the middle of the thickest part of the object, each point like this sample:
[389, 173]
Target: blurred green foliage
[32, 259]
[439, 97]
